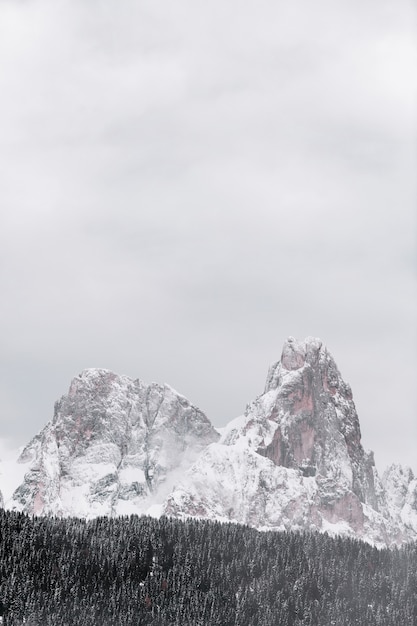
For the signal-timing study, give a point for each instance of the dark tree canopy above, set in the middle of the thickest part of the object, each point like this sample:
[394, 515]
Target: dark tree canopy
[138, 571]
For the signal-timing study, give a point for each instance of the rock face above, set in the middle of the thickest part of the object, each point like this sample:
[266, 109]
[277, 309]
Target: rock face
[400, 487]
[295, 460]
[113, 446]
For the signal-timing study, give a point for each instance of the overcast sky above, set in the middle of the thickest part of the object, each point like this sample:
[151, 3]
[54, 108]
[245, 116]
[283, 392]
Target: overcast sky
[183, 185]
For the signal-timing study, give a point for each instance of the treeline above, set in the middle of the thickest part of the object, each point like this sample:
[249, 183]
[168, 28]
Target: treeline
[140, 571]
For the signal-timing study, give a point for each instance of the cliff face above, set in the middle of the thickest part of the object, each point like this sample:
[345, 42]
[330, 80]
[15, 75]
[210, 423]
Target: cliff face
[111, 447]
[318, 429]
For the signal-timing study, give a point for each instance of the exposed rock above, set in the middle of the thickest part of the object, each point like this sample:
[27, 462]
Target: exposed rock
[110, 448]
[400, 487]
[294, 460]
[317, 426]
[314, 472]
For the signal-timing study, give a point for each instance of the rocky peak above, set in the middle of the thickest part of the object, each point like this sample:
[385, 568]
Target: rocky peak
[294, 354]
[112, 442]
[295, 458]
[310, 353]
[318, 428]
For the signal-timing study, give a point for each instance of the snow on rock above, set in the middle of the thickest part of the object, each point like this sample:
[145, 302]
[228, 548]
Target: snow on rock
[409, 510]
[401, 494]
[112, 444]
[295, 460]
[234, 483]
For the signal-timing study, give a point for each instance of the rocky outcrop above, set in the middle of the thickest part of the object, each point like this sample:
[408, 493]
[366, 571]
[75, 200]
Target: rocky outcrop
[318, 428]
[400, 492]
[112, 447]
[295, 459]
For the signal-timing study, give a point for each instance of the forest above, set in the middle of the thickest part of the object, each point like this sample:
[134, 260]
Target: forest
[137, 571]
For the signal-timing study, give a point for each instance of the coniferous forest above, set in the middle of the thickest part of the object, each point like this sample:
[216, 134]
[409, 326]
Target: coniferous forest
[142, 571]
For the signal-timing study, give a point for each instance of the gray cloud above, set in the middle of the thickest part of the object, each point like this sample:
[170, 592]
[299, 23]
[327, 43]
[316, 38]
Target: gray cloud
[182, 187]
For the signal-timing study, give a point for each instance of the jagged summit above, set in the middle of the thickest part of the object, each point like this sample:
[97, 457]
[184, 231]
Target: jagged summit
[296, 353]
[293, 460]
[110, 447]
[318, 427]
[93, 372]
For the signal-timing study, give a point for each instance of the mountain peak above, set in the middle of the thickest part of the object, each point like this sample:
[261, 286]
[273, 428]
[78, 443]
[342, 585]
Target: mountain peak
[293, 460]
[110, 447]
[295, 353]
[96, 373]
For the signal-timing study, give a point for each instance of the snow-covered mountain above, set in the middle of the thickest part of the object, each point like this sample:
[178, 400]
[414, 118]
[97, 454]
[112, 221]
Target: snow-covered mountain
[114, 447]
[293, 460]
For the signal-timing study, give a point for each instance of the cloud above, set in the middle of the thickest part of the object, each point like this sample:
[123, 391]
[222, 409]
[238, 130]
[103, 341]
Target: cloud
[182, 187]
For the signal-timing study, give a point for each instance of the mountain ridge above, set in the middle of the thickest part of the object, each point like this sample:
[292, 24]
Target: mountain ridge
[294, 459]
[315, 474]
[110, 443]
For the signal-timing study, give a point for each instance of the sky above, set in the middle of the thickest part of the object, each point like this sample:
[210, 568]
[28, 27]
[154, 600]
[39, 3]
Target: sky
[185, 185]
